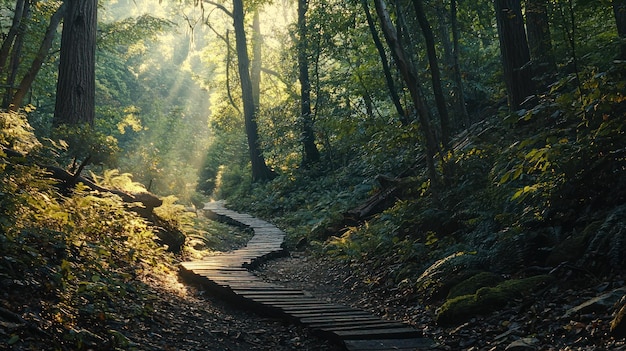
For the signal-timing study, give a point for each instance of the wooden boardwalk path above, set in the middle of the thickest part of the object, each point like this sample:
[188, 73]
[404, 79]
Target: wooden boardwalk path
[229, 275]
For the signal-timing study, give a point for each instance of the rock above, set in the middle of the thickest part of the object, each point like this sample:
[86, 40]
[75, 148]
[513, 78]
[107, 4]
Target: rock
[487, 299]
[618, 324]
[525, 344]
[471, 285]
[598, 304]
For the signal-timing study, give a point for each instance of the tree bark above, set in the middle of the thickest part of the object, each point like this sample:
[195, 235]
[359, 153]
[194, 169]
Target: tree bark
[619, 9]
[255, 65]
[540, 41]
[16, 56]
[391, 86]
[409, 74]
[458, 80]
[514, 51]
[435, 74]
[76, 85]
[44, 49]
[5, 49]
[309, 149]
[260, 171]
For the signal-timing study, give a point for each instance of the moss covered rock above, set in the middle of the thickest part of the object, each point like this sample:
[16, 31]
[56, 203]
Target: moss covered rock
[472, 284]
[487, 299]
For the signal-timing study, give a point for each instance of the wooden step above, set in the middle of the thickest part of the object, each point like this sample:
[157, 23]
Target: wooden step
[390, 344]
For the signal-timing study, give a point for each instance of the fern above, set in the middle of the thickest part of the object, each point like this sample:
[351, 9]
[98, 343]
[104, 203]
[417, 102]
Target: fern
[112, 178]
[605, 248]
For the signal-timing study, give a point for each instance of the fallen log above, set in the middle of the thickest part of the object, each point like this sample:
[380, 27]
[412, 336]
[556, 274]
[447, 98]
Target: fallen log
[142, 203]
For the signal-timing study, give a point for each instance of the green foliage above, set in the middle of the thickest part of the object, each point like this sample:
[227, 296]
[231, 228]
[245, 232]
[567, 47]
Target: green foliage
[81, 254]
[16, 133]
[85, 143]
[131, 31]
[576, 162]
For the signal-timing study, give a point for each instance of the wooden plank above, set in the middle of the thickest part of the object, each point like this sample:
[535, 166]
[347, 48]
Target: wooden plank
[238, 285]
[247, 280]
[255, 296]
[331, 314]
[390, 344]
[218, 272]
[271, 287]
[339, 324]
[292, 306]
[379, 325]
[281, 300]
[221, 269]
[317, 308]
[392, 333]
[329, 319]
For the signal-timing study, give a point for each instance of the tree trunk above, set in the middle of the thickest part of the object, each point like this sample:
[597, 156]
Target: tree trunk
[540, 41]
[310, 152]
[46, 44]
[409, 74]
[619, 9]
[435, 74]
[260, 171]
[393, 92]
[10, 37]
[16, 56]
[255, 65]
[514, 51]
[76, 85]
[458, 80]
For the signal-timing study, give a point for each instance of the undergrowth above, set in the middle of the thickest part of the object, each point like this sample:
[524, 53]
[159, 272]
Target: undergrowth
[517, 190]
[77, 267]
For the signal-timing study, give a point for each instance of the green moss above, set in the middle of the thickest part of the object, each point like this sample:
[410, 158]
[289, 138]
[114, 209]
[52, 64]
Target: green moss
[472, 284]
[487, 299]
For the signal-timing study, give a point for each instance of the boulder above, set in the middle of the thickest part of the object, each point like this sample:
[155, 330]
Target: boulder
[487, 299]
[599, 304]
[525, 344]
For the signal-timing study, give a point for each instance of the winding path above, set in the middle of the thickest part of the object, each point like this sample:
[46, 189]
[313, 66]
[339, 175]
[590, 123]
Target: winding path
[230, 276]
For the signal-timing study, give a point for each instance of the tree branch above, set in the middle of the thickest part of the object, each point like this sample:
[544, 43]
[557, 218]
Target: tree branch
[220, 6]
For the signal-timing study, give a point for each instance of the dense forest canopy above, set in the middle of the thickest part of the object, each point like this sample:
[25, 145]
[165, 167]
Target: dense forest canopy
[431, 140]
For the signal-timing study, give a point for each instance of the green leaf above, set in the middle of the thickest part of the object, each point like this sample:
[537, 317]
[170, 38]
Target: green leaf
[13, 339]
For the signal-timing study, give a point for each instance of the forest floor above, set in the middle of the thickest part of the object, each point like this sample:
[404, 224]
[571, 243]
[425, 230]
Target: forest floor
[538, 323]
[195, 320]
[187, 318]
[183, 317]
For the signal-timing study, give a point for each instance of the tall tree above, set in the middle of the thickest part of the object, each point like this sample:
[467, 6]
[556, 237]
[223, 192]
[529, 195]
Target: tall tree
[411, 79]
[44, 49]
[460, 93]
[391, 86]
[514, 51]
[7, 43]
[16, 55]
[448, 24]
[540, 40]
[619, 9]
[257, 59]
[260, 171]
[435, 74]
[76, 85]
[310, 152]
